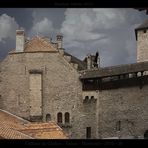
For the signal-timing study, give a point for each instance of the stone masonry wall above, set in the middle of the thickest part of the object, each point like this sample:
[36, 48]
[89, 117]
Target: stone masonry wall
[61, 88]
[142, 46]
[127, 105]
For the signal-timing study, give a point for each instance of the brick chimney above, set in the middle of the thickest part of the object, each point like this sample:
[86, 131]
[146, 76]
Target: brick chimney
[20, 40]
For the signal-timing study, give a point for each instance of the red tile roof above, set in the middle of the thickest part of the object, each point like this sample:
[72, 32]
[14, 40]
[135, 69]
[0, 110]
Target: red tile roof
[39, 44]
[13, 127]
[44, 131]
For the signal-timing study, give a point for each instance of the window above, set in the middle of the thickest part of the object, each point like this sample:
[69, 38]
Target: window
[86, 98]
[67, 116]
[92, 97]
[48, 117]
[59, 117]
[118, 126]
[146, 134]
[88, 132]
[144, 31]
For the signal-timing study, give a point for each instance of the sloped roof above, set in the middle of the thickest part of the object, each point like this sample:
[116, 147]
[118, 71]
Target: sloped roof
[144, 25]
[39, 44]
[81, 64]
[9, 124]
[42, 44]
[13, 127]
[8, 132]
[48, 130]
[12, 120]
[114, 70]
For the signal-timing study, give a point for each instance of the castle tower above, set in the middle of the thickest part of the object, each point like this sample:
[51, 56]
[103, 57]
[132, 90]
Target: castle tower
[142, 42]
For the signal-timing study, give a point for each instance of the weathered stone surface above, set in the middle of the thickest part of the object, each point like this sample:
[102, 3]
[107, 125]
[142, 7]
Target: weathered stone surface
[61, 88]
[120, 112]
[126, 105]
[142, 45]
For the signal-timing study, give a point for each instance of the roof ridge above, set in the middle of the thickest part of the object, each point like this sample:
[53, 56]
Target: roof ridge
[14, 115]
[39, 44]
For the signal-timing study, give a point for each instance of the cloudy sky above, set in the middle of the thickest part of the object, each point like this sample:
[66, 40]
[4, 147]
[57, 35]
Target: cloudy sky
[85, 30]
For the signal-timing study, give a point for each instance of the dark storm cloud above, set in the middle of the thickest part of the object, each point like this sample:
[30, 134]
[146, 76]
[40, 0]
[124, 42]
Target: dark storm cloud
[111, 31]
[23, 16]
[5, 47]
[47, 21]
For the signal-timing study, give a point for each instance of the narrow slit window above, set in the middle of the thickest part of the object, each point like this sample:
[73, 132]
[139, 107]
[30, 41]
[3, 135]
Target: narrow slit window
[118, 126]
[67, 117]
[59, 117]
[88, 132]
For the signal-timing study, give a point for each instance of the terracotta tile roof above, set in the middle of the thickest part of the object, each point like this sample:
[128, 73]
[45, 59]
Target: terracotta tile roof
[39, 44]
[48, 130]
[14, 127]
[9, 133]
[12, 120]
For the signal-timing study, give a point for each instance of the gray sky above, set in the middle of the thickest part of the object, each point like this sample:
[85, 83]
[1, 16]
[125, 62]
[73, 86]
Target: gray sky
[85, 30]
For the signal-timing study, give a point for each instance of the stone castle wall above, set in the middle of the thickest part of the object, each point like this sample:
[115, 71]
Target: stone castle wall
[142, 46]
[125, 105]
[61, 88]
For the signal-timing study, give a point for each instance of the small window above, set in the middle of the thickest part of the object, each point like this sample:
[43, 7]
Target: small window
[92, 97]
[144, 31]
[118, 126]
[59, 117]
[88, 132]
[146, 134]
[67, 116]
[86, 97]
[48, 117]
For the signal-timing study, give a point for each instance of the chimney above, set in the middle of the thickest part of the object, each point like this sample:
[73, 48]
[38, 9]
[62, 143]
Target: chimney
[20, 40]
[59, 41]
[89, 62]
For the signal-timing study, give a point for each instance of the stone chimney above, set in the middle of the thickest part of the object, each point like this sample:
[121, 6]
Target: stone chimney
[20, 40]
[59, 41]
[89, 62]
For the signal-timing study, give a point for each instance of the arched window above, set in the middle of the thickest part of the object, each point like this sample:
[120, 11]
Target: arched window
[86, 98]
[59, 117]
[67, 116]
[48, 117]
[92, 97]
